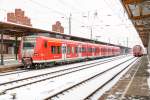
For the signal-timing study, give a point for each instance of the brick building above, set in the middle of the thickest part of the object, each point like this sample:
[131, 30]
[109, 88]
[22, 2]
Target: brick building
[57, 27]
[14, 17]
[18, 17]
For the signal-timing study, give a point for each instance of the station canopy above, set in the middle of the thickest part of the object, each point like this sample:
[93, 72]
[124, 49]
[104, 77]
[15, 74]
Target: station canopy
[139, 13]
[17, 30]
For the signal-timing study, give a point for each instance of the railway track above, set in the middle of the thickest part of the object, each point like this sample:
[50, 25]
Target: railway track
[9, 86]
[23, 71]
[86, 81]
[42, 77]
[35, 73]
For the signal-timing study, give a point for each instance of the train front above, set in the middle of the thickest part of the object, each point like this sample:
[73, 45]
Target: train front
[26, 50]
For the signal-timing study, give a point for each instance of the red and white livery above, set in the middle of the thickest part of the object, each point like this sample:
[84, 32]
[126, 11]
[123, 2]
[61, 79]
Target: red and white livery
[40, 50]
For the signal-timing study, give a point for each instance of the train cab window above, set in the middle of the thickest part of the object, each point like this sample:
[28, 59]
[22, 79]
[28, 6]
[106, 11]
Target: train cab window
[28, 45]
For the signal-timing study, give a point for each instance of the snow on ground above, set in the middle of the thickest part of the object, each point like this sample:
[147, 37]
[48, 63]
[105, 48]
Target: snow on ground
[85, 90]
[40, 90]
[112, 83]
[42, 71]
[148, 80]
[10, 62]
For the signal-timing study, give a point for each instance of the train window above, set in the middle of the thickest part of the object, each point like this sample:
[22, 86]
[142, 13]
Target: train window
[68, 50]
[58, 49]
[53, 49]
[96, 50]
[89, 49]
[76, 49]
[83, 50]
[28, 45]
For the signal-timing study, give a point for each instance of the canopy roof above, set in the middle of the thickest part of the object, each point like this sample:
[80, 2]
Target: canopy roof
[21, 30]
[139, 12]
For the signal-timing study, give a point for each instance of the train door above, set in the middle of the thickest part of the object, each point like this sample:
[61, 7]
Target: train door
[64, 48]
[79, 51]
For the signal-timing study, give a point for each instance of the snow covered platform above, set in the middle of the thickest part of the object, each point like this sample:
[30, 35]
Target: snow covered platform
[9, 65]
[134, 85]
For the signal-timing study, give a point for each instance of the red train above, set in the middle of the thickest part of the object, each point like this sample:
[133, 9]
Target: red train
[137, 51]
[40, 50]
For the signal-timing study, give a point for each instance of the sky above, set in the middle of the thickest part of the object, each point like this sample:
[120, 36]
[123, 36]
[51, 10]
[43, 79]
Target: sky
[106, 18]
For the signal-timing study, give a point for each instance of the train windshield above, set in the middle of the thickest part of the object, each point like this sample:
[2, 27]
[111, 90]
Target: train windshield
[28, 45]
[29, 42]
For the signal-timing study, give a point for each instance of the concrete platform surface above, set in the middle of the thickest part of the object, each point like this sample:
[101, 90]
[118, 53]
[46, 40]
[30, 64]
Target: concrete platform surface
[133, 85]
[10, 64]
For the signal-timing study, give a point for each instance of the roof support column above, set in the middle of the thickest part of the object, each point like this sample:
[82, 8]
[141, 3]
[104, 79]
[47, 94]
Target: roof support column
[16, 47]
[1, 47]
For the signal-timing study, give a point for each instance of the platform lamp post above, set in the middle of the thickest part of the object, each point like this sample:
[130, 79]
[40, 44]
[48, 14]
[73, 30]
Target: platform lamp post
[91, 31]
[127, 51]
[108, 43]
[1, 47]
[98, 37]
[69, 22]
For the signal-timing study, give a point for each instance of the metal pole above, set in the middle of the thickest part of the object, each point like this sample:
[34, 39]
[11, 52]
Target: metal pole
[127, 46]
[16, 47]
[70, 24]
[2, 56]
[91, 32]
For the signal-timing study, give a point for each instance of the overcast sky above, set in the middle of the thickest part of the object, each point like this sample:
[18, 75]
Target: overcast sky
[106, 18]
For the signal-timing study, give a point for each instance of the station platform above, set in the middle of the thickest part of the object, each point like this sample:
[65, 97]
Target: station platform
[10, 64]
[134, 85]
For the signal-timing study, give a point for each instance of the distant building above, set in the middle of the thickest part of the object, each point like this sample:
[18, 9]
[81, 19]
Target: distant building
[18, 17]
[57, 27]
